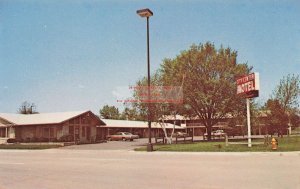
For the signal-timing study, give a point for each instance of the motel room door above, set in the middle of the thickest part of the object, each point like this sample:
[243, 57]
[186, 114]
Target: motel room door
[88, 133]
[77, 134]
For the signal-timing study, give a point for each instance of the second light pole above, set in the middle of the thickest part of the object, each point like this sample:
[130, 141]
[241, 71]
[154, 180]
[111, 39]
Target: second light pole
[147, 13]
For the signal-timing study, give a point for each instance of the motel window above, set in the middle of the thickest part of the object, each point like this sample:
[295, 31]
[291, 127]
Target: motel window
[83, 120]
[48, 132]
[83, 131]
[2, 132]
[71, 130]
[76, 120]
[51, 132]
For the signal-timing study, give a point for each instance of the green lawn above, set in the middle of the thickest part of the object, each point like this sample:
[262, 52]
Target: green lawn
[28, 146]
[285, 144]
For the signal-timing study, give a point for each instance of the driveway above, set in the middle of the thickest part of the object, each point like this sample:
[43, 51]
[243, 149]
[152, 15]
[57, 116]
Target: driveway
[122, 145]
[111, 145]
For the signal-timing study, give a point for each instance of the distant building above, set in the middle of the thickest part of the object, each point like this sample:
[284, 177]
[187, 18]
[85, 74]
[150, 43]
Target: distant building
[194, 126]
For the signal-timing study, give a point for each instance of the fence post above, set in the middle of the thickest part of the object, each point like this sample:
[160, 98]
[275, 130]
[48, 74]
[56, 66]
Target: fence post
[266, 142]
[226, 140]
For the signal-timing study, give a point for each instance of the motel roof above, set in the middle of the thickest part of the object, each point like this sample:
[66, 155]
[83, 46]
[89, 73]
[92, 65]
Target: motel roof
[110, 123]
[2, 125]
[41, 118]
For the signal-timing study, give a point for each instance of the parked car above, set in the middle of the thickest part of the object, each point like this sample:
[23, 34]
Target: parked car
[180, 134]
[217, 133]
[122, 136]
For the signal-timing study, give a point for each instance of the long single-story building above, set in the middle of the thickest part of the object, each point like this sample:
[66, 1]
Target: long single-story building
[44, 127]
[81, 127]
[135, 127]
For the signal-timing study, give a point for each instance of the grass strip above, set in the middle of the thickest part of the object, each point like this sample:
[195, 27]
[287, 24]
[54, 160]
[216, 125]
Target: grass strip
[286, 144]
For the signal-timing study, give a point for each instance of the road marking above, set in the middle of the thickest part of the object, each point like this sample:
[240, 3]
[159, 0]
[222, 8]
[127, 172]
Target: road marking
[98, 159]
[11, 163]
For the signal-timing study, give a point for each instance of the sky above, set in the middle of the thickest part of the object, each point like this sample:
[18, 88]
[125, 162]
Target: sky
[71, 55]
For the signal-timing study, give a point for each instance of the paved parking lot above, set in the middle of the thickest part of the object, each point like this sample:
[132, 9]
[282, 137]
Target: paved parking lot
[111, 145]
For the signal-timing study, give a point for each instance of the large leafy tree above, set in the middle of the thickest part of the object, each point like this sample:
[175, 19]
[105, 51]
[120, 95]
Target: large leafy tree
[109, 112]
[210, 82]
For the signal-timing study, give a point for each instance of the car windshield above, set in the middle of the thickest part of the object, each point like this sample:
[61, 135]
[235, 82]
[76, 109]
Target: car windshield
[126, 133]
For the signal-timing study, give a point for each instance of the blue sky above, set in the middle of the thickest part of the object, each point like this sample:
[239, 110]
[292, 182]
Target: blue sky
[77, 55]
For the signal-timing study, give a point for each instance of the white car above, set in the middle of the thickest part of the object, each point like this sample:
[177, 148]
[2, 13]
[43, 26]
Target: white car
[122, 136]
[217, 133]
[180, 134]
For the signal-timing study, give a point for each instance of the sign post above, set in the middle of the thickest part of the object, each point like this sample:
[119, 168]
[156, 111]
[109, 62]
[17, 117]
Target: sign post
[248, 87]
[248, 122]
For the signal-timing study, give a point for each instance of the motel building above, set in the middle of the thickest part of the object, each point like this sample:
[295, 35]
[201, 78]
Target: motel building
[86, 127]
[194, 126]
[50, 127]
[76, 127]
[136, 127]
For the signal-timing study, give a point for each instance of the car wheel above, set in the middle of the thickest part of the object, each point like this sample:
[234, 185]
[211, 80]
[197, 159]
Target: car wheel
[131, 139]
[124, 139]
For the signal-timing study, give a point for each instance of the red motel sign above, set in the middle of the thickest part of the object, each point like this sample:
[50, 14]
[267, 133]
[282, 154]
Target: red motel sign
[248, 86]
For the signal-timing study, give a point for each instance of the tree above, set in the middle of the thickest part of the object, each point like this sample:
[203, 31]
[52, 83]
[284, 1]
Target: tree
[210, 82]
[131, 113]
[295, 118]
[109, 112]
[282, 106]
[240, 120]
[158, 110]
[288, 92]
[27, 108]
[277, 118]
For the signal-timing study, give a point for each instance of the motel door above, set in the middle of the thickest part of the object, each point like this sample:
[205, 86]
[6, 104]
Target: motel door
[77, 134]
[88, 133]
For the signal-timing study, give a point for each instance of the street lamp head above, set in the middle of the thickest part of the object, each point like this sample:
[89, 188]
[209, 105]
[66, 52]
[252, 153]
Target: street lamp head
[144, 12]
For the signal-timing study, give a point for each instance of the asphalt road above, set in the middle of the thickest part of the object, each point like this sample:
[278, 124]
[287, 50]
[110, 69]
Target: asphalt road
[69, 168]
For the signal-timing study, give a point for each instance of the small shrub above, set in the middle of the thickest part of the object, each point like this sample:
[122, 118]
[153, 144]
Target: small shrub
[11, 140]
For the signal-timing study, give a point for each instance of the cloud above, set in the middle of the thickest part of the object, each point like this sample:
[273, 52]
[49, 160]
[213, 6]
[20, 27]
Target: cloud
[121, 92]
[80, 86]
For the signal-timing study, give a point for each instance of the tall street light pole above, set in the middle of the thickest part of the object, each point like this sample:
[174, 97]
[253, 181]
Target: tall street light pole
[147, 13]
